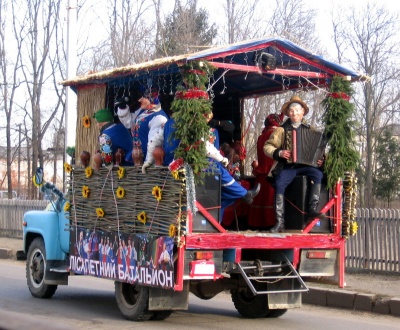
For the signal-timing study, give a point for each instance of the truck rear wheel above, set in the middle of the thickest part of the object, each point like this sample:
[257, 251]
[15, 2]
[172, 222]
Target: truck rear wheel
[133, 301]
[36, 269]
[249, 305]
[252, 306]
[160, 315]
[273, 313]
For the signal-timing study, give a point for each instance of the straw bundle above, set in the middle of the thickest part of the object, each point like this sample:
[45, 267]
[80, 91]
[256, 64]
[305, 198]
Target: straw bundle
[90, 99]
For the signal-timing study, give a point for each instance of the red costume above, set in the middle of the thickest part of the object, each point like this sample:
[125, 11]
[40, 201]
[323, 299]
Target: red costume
[261, 211]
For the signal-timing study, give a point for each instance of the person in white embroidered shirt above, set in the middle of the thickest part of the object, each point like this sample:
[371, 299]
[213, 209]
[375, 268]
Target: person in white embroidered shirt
[146, 125]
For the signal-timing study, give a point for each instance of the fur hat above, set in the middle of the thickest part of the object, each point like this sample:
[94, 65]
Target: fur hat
[274, 120]
[103, 115]
[294, 99]
[152, 95]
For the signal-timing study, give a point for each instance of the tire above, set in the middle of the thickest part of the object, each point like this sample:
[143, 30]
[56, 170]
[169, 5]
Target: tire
[160, 315]
[36, 269]
[133, 301]
[274, 313]
[249, 305]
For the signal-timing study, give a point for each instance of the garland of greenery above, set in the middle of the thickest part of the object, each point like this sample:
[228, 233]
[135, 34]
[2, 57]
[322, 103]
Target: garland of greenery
[190, 109]
[342, 155]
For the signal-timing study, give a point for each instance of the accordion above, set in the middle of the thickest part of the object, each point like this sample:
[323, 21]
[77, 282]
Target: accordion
[307, 145]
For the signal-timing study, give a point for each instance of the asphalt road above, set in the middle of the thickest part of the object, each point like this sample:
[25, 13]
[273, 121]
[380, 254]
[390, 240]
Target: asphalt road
[89, 303]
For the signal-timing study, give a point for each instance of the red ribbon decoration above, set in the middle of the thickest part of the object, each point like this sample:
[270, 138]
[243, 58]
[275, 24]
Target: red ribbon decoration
[192, 94]
[200, 72]
[339, 95]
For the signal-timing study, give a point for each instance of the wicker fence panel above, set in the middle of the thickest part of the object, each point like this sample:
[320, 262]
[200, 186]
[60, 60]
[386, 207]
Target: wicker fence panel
[121, 214]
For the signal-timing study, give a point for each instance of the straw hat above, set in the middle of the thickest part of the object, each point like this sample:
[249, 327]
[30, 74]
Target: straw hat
[294, 99]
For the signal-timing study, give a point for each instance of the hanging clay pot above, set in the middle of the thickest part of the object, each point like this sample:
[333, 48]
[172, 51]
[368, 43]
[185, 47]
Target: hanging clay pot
[85, 158]
[97, 161]
[158, 154]
[137, 156]
[119, 157]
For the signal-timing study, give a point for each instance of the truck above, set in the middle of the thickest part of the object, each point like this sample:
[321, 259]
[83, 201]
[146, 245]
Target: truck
[159, 235]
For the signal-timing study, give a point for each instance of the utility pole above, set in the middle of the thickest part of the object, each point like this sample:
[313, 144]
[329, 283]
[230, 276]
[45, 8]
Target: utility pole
[70, 97]
[19, 160]
[70, 103]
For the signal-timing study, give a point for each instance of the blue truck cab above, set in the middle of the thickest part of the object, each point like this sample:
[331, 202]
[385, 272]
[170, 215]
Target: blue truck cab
[46, 245]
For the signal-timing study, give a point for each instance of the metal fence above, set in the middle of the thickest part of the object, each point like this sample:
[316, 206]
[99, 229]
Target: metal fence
[12, 214]
[376, 246]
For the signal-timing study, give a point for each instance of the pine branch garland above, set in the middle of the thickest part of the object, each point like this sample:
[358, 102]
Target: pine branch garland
[190, 109]
[342, 155]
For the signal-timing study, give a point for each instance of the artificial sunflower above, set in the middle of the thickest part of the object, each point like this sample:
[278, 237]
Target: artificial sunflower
[142, 217]
[157, 193]
[120, 192]
[175, 175]
[85, 191]
[67, 206]
[88, 172]
[67, 168]
[121, 172]
[172, 230]
[100, 212]
[353, 228]
[86, 121]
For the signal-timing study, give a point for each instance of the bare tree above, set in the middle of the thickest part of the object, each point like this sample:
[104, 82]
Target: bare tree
[128, 37]
[292, 20]
[35, 29]
[130, 34]
[366, 38]
[9, 69]
[288, 18]
[243, 20]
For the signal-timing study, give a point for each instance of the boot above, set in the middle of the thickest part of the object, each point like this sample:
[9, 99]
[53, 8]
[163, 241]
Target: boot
[280, 214]
[248, 198]
[315, 191]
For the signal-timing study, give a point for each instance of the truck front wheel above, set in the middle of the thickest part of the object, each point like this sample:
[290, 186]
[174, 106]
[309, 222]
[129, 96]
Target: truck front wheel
[133, 301]
[36, 269]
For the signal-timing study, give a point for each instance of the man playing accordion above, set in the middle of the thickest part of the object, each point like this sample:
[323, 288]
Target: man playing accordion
[290, 150]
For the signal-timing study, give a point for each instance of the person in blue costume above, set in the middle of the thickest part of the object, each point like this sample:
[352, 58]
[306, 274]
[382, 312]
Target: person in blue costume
[113, 136]
[170, 143]
[231, 190]
[147, 126]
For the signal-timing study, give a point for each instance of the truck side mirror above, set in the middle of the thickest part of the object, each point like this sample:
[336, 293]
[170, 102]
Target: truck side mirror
[38, 178]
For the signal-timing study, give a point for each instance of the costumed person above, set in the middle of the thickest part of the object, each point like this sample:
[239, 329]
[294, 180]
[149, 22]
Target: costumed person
[285, 171]
[231, 190]
[170, 143]
[123, 111]
[262, 211]
[148, 127]
[113, 136]
[239, 209]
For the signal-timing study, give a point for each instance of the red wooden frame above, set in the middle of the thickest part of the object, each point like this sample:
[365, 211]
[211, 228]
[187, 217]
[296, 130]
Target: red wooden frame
[269, 241]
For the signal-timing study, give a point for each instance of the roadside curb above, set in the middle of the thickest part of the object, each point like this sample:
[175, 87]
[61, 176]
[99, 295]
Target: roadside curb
[12, 254]
[340, 298]
[6, 254]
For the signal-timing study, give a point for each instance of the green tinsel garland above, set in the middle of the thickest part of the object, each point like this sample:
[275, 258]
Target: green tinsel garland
[190, 108]
[342, 155]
